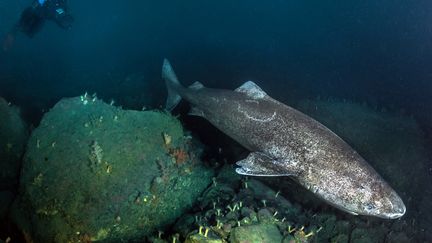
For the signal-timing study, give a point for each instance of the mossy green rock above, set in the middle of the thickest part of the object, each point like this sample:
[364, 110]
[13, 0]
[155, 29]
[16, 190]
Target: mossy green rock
[261, 233]
[95, 172]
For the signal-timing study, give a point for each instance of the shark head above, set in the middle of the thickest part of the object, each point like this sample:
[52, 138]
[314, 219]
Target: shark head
[388, 206]
[375, 199]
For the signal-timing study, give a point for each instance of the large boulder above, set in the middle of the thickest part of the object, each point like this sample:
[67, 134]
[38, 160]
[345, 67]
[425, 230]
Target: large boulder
[95, 172]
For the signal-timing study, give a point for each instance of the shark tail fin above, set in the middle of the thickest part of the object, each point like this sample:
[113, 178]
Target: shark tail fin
[173, 85]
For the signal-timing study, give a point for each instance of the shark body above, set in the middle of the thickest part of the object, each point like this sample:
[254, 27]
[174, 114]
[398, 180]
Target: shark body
[286, 142]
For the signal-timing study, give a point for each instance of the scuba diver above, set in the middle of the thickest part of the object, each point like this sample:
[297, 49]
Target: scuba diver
[33, 18]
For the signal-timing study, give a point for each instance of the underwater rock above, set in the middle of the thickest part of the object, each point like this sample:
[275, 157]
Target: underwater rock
[265, 216]
[265, 233]
[95, 172]
[263, 192]
[13, 137]
[202, 238]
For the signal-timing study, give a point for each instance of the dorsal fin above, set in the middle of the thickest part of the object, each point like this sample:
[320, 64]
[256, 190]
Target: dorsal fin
[252, 90]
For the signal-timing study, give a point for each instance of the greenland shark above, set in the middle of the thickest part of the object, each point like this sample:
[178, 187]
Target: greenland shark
[285, 142]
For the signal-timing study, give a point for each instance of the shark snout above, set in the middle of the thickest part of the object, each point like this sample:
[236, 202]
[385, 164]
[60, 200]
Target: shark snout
[399, 208]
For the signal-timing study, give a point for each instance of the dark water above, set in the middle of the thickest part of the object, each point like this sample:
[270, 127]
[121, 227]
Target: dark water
[373, 52]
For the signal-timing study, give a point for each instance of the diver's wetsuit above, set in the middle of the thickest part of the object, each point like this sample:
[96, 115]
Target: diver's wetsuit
[33, 17]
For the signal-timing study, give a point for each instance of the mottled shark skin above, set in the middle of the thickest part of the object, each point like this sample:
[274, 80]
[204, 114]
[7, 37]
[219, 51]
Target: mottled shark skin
[286, 142]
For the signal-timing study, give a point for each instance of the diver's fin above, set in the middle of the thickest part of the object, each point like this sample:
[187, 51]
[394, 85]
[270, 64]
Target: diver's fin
[194, 111]
[196, 86]
[252, 90]
[172, 84]
[259, 164]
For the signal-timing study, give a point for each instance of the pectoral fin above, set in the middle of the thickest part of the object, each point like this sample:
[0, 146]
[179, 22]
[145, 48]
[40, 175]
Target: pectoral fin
[195, 111]
[259, 164]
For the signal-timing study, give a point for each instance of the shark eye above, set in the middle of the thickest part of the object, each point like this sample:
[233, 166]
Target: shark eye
[370, 206]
